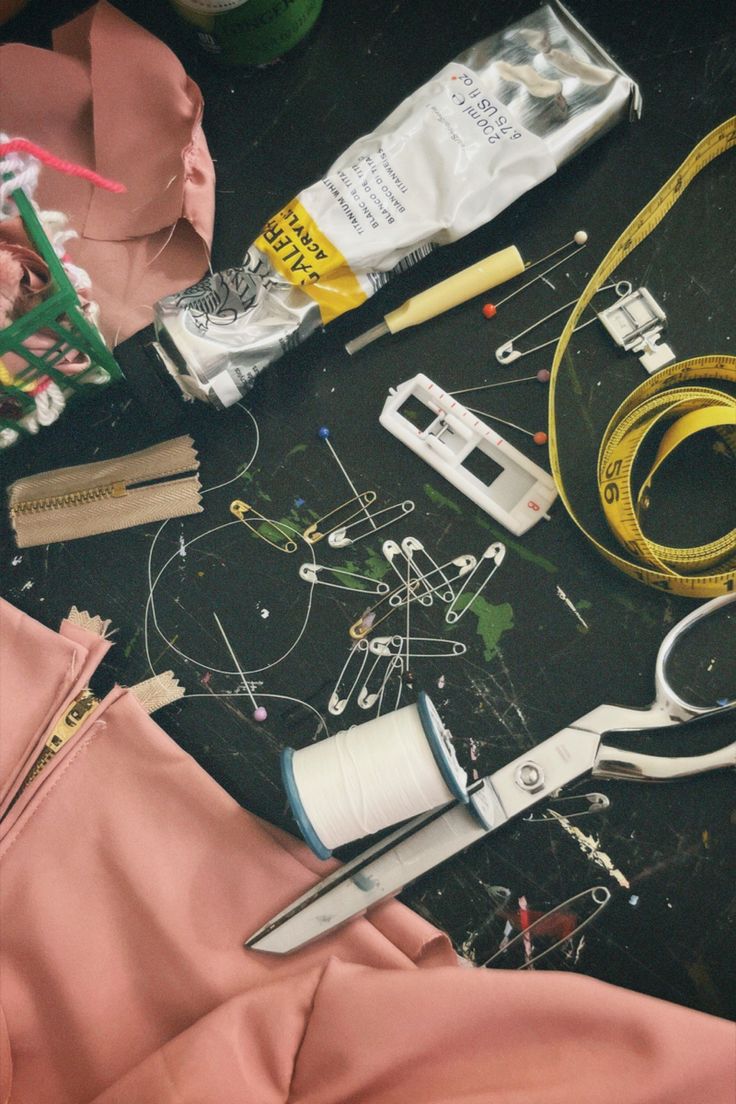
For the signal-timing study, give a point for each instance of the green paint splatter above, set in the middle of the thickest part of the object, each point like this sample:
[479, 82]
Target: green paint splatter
[292, 452]
[492, 621]
[438, 499]
[246, 476]
[522, 552]
[131, 643]
[374, 565]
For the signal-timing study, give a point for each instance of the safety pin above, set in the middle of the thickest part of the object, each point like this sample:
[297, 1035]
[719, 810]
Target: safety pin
[368, 621]
[240, 509]
[394, 645]
[494, 552]
[589, 803]
[396, 664]
[310, 573]
[392, 551]
[339, 538]
[410, 546]
[313, 533]
[464, 564]
[366, 697]
[506, 353]
[336, 705]
[599, 895]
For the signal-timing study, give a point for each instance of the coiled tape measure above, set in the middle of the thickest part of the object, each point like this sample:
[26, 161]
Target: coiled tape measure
[675, 396]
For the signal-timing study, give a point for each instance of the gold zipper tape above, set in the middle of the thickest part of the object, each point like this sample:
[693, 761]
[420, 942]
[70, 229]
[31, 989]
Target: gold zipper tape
[673, 395]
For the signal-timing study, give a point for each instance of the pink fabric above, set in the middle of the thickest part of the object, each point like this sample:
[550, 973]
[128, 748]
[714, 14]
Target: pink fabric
[114, 98]
[128, 881]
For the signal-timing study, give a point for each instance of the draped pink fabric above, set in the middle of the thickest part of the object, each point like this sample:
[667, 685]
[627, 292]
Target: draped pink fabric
[128, 882]
[114, 98]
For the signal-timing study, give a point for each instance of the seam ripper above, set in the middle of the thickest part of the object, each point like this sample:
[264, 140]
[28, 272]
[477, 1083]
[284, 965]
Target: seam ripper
[482, 276]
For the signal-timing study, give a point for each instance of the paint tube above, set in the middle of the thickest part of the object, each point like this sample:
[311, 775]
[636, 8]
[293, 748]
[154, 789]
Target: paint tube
[492, 124]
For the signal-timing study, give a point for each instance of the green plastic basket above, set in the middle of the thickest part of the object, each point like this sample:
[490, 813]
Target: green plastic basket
[60, 313]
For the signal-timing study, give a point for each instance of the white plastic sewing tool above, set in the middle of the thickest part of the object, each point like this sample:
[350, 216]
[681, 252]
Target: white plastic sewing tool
[317, 531]
[495, 554]
[511, 488]
[507, 354]
[259, 711]
[339, 697]
[314, 572]
[636, 322]
[496, 269]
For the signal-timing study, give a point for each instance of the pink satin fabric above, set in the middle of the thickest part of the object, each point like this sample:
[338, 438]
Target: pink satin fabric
[114, 98]
[128, 882]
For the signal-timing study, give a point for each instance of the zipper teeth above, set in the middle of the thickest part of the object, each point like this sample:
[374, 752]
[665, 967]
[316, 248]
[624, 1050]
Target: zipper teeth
[76, 713]
[73, 498]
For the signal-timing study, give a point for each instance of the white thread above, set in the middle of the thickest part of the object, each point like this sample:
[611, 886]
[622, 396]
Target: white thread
[150, 614]
[369, 777]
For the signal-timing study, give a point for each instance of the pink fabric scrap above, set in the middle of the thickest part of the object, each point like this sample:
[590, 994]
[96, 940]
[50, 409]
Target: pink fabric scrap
[114, 98]
[128, 882]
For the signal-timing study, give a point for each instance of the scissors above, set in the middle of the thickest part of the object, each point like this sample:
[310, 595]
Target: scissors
[419, 845]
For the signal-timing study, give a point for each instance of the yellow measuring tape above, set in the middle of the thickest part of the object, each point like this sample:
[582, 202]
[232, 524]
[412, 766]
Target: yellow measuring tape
[675, 398]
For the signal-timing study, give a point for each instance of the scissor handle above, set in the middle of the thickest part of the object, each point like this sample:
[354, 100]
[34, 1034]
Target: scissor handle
[613, 762]
[666, 696]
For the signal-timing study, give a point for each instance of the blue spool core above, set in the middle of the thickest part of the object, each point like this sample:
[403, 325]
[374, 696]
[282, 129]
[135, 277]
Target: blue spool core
[298, 811]
[440, 746]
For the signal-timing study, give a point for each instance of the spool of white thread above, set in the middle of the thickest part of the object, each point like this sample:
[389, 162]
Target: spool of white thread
[374, 775]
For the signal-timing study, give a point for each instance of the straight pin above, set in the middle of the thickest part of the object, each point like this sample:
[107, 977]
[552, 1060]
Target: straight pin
[259, 712]
[539, 438]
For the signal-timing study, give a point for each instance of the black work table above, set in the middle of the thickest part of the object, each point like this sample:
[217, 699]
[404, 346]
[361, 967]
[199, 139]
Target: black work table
[532, 665]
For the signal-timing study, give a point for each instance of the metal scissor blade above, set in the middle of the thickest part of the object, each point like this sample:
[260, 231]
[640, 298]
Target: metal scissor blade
[365, 882]
[423, 843]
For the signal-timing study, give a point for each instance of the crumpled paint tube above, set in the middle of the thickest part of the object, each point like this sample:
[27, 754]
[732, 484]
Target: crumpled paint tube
[492, 124]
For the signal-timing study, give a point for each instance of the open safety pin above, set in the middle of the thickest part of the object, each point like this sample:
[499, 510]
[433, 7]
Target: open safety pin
[310, 573]
[495, 553]
[336, 705]
[506, 353]
[572, 808]
[599, 895]
[314, 532]
[240, 509]
[339, 537]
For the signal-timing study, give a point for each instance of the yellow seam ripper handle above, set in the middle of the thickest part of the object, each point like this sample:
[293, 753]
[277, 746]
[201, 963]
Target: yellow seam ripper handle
[614, 466]
[457, 289]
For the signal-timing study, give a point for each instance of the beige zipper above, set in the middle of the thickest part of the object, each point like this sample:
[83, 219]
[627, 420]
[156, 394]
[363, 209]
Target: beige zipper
[102, 497]
[74, 498]
[67, 724]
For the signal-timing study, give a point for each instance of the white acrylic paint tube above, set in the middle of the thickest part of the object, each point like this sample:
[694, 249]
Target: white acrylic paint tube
[492, 124]
[372, 776]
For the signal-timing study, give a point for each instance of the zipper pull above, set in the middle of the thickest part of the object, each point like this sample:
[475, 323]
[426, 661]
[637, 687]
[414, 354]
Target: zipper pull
[64, 728]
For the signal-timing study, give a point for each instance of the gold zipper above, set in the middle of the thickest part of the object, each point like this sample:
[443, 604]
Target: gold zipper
[73, 498]
[62, 731]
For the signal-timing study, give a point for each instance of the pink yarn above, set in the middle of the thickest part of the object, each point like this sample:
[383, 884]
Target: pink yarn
[22, 145]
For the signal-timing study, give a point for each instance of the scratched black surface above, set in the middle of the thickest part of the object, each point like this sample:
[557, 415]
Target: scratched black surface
[272, 132]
